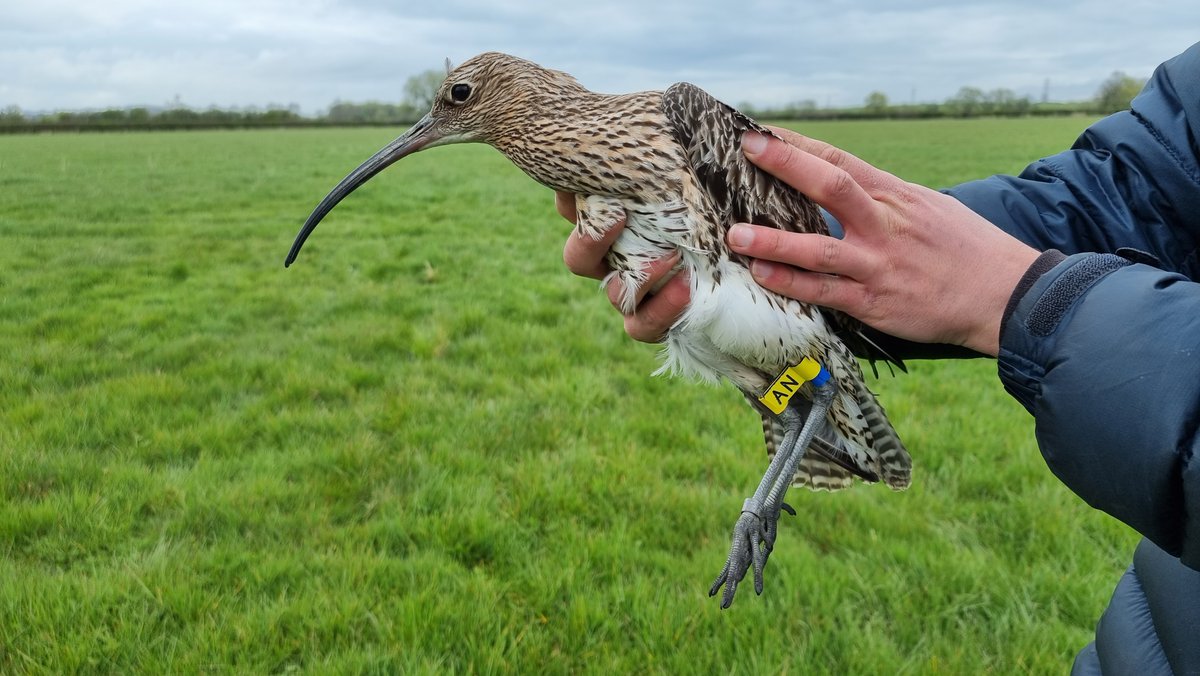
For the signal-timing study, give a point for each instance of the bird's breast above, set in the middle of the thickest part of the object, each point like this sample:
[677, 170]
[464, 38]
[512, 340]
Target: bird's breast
[735, 329]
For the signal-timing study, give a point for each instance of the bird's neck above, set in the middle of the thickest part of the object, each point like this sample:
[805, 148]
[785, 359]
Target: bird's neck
[576, 140]
[544, 134]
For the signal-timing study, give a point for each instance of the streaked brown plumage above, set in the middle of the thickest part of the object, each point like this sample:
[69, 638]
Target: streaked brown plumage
[672, 162]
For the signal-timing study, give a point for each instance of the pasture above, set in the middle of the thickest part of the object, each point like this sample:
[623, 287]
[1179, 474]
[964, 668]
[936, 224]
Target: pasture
[427, 447]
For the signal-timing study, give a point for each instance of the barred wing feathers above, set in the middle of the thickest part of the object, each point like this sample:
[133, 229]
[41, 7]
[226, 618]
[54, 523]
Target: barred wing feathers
[710, 133]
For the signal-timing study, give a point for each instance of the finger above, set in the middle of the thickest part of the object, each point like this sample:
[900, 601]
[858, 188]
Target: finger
[584, 256]
[564, 202]
[658, 314]
[863, 173]
[831, 291]
[818, 253]
[657, 273]
[826, 184]
[805, 143]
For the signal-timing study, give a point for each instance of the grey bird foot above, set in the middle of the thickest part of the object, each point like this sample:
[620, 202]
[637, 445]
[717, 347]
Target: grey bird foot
[753, 539]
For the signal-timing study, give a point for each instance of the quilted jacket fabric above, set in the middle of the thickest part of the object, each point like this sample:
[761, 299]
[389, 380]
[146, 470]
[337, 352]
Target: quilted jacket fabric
[1102, 346]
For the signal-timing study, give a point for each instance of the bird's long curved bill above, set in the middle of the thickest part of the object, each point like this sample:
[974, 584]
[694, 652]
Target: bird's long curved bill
[417, 137]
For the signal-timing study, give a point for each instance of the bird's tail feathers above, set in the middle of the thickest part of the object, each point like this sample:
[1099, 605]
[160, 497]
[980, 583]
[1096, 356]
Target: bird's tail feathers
[859, 417]
[894, 463]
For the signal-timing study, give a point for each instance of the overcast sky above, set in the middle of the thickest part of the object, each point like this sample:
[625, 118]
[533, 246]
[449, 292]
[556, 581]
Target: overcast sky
[84, 54]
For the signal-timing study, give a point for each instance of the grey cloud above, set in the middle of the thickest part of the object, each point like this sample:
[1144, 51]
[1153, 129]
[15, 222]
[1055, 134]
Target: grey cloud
[64, 54]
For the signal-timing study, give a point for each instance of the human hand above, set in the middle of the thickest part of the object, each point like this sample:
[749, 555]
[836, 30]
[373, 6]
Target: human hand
[655, 313]
[914, 263]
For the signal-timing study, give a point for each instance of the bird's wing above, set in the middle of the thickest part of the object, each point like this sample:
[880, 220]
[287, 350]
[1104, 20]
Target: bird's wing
[823, 467]
[711, 134]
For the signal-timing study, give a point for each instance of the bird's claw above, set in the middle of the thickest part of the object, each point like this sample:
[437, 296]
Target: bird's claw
[753, 540]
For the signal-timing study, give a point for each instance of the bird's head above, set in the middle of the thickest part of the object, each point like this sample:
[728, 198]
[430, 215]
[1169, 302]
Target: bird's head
[480, 101]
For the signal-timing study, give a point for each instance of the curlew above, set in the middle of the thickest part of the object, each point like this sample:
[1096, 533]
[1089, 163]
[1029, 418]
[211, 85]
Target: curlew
[671, 161]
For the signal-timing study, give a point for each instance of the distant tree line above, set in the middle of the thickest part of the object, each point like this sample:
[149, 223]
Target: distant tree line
[1114, 94]
[145, 118]
[420, 90]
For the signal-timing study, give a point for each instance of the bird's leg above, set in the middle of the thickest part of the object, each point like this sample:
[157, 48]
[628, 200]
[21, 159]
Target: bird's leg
[755, 530]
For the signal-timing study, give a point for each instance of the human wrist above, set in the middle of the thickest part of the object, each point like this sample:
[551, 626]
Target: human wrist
[992, 306]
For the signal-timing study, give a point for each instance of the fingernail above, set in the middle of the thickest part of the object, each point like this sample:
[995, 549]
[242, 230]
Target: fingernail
[762, 269]
[753, 143]
[741, 236]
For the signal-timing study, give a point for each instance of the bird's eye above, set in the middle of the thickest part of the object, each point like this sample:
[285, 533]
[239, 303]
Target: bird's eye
[460, 92]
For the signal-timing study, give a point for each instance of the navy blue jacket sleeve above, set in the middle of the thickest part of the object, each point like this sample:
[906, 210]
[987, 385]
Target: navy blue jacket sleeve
[1129, 181]
[1104, 353]
[1106, 356]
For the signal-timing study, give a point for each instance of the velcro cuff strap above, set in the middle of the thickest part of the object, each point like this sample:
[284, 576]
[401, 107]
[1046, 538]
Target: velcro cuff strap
[1048, 311]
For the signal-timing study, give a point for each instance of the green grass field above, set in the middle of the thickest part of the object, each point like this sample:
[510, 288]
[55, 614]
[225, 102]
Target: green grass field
[427, 447]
